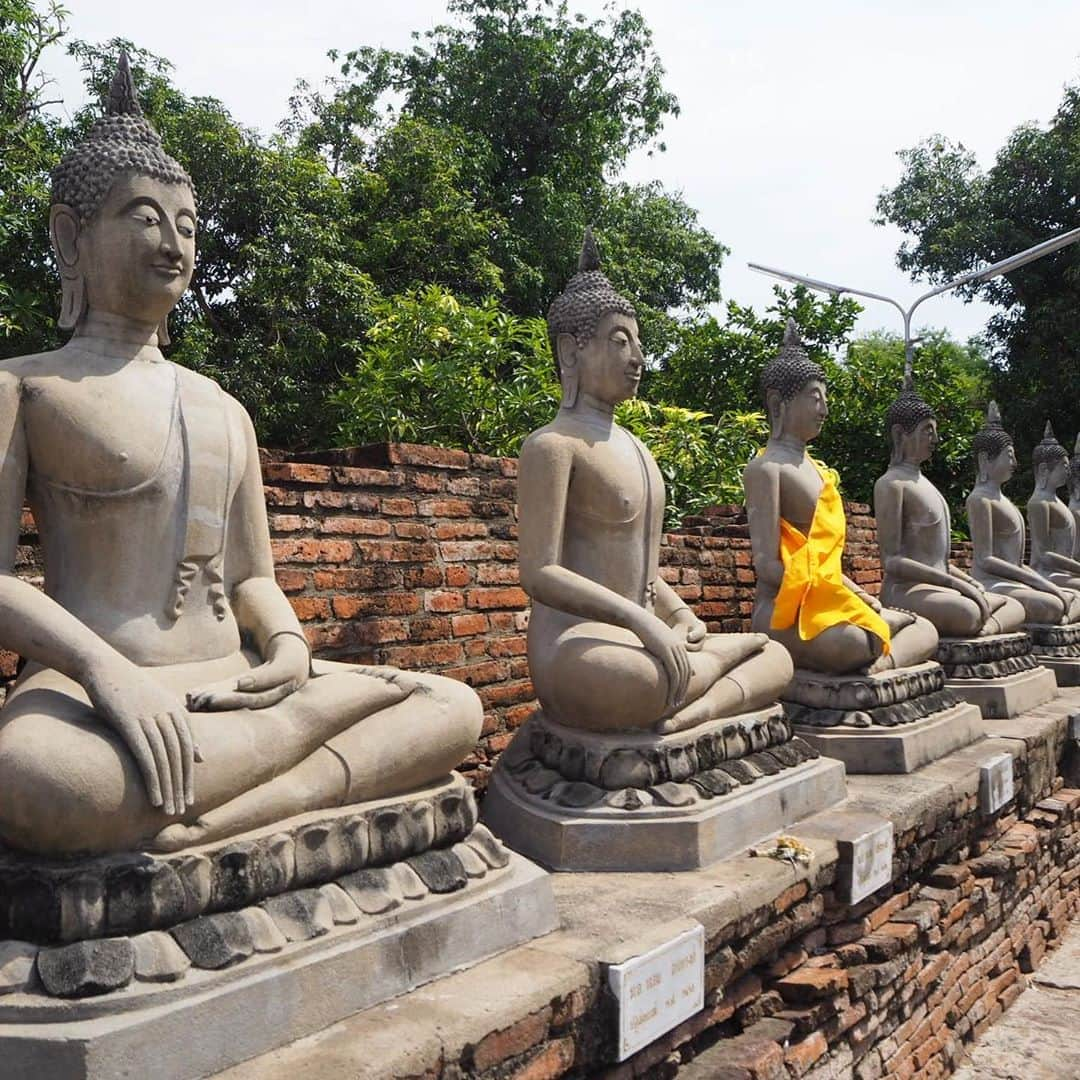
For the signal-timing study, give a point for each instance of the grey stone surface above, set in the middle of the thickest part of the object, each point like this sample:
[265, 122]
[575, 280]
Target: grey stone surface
[158, 958]
[87, 968]
[309, 987]
[1066, 670]
[1009, 695]
[301, 915]
[215, 941]
[344, 911]
[900, 749]
[659, 837]
[265, 935]
[16, 965]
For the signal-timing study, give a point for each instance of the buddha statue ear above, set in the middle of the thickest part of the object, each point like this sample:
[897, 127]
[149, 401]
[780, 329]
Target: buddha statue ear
[163, 332]
[983, 467]
[64, 232]
[774, 407]
[566, 347]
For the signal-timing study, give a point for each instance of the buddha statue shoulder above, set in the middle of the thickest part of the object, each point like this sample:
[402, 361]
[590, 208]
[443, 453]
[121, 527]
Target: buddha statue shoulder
[797, 529]
[998, 533]
[1053, 528]
[611, 646]
[169, 696]
[914, 530]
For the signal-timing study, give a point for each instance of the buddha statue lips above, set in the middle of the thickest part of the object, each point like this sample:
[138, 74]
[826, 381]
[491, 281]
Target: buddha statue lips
[611, 646]
[169, 696]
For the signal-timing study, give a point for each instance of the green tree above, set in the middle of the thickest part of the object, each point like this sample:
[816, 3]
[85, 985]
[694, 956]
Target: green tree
[30, 142]
[547, 106]
[951, 377]
[959, 216]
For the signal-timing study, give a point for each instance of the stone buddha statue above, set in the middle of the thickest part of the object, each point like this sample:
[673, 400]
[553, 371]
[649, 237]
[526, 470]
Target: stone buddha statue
[997, 531]
[797, 529]
[1051, 607]
[866, 688]
[986, 656]
[1053, 529]
[628, 678]
[915, 536]
[1074, 494]
[169, 696]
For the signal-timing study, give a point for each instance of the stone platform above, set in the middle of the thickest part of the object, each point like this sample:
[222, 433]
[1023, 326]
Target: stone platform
[1058, 648]
[576, 800]
[891, 722]
[998, 673]
[174, 966]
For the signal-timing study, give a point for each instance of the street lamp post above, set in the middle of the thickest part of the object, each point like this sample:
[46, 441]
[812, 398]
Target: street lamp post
[1021, 258]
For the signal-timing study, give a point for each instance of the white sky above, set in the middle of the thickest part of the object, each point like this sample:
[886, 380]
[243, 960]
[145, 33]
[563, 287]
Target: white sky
[792, 112]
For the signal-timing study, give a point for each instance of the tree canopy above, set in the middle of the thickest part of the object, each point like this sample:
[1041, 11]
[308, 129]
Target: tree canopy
[959, 216]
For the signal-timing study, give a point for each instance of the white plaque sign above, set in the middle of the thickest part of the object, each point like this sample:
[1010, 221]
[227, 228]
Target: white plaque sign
[658, 990]
[995, 783]
[871, 860]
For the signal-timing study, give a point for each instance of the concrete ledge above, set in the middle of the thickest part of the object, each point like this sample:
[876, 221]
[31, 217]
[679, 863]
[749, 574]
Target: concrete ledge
[1066, 670]
[659, 837]
[1009, 695]
[900, 749]
[220, 1018]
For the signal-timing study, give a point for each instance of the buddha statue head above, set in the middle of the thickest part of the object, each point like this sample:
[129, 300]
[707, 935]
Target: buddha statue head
[793, 387]
[594, 335]
[992, 445]
[912, 426]
[1050, 461]
[1074, 471]
[122, 222]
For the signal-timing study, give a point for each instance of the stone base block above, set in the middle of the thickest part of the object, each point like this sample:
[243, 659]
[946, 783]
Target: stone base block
[899, 749]
[1003, 698]
[1066, 669]
[989, 657]
[216, 1018]
[657, 837]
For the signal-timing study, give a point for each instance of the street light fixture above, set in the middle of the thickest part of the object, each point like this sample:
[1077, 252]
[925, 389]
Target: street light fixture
[1021, 258]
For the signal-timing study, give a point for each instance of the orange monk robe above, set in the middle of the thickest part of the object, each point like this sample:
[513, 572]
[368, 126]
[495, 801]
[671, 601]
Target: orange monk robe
[813, 591]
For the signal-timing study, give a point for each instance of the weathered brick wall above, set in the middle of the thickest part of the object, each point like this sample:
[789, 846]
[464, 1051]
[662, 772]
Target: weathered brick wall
[808, 986]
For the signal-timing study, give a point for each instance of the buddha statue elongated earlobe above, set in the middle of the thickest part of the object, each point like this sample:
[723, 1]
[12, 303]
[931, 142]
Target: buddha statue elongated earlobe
[566, 345]
[64, 233]
[163, 332]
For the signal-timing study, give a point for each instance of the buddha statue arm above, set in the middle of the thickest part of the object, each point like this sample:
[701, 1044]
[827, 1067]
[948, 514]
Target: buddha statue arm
[889, 513]
[761, 482]
[1042, 554]
[981, 521]
[151, 721]
[261, 609]
[544, 474]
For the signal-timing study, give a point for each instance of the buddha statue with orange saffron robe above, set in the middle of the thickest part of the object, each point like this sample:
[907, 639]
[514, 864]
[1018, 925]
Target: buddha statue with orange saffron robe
[858, 665]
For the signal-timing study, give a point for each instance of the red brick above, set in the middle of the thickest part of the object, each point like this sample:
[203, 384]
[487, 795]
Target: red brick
[349, 607]
[511, 646]
[494, 697]
[497, 598]
[398, 507]
[446, 508]
[379, 631]
[310, 607]
[289, 523]
[342, 500]
[395, 551]
[311, 551]
[460, 530]
[425, 656]
[444, 601]
[555, 1059]
[516, 1039]
[479, 674]
[458, 576]
[354, 526]
[801, 1055]
[812, 984]
[291, 580]
[422, 577]
[358, 577]
[349, 476]
[790, 896]
[463, 625]
[297, 472]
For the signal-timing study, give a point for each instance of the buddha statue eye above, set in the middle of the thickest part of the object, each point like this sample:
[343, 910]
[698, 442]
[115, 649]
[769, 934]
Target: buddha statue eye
[150, 219]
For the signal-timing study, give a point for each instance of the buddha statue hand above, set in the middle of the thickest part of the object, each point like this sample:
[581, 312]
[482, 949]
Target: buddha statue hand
[154, 726]
[685, 622]
[286, 669]
[669, 646]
